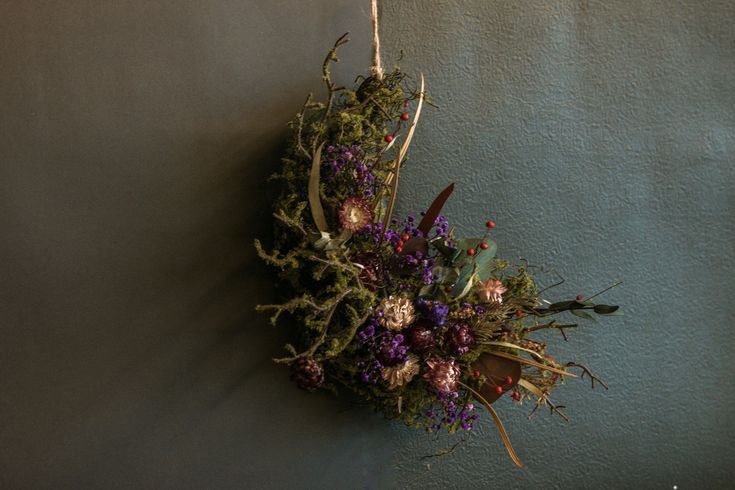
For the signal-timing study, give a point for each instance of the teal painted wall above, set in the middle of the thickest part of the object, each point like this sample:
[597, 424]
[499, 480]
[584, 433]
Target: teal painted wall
[134, 141]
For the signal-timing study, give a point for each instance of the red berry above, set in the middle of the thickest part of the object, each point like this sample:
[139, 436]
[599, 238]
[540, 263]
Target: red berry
[476, 374]
[508, 380]
[448, 289]
[388, 138]
[400, 243]
[519, 313]
[471, 251]
[580, 297]
[490, 223]
[484, 246]
[499, 390]
[404, 116]
[399, 250]
[405, 237]
[516, 396]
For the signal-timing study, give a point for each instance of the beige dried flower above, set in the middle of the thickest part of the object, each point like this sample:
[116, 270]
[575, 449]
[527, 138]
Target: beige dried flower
[402, 373]
[355, 214]
[491, 291]
[397, 313]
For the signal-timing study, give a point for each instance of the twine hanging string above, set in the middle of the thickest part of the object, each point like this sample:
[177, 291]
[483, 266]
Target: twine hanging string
[377, 67]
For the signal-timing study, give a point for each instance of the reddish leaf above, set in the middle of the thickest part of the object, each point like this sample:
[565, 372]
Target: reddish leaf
[496, 369]
[415, 244]
[428, 221]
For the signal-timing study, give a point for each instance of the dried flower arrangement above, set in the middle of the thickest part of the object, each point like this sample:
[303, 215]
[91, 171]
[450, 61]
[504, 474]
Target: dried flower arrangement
[419, 323]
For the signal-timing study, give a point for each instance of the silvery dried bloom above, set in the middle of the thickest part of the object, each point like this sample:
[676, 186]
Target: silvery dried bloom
[442, 374]
[401, 374]
[396, 312]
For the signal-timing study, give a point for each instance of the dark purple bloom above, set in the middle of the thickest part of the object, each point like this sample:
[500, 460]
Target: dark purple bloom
[434, 311]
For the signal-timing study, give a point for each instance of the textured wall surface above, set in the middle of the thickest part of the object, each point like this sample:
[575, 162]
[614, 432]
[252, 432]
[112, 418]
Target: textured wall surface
[134, 140]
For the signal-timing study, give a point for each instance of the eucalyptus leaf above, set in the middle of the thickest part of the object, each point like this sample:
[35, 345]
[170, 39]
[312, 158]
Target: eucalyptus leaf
[482, 260]
[605, 309]
[445, 275]
[582, 314]
[427, 291]
[467, 287]
[441, 245]
[464, 282]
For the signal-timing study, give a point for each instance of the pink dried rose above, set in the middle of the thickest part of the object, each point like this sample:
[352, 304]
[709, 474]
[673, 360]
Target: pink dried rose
[442, 374]
[491, 291]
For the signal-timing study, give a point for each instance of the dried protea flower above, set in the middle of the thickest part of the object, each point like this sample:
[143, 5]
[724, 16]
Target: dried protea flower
[307, 373]
[396, 312]
[459, 338]
[442, 374]
[402, 373]
[355, 214]
[421, 338]
[491, 291]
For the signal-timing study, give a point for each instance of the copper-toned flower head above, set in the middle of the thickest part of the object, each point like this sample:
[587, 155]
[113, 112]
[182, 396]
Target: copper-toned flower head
[355, 214]
[491, 291]
[442, 374]
[402, 373]
[397, 312]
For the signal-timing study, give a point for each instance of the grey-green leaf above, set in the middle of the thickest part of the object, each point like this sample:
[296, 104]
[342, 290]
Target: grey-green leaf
[582, 314]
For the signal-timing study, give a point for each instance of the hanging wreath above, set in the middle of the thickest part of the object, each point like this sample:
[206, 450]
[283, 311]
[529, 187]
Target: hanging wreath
[421, 324]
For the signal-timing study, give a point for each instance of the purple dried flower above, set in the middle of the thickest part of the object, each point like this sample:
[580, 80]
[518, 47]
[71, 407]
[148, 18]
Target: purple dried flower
[459, 338]
[421, 338]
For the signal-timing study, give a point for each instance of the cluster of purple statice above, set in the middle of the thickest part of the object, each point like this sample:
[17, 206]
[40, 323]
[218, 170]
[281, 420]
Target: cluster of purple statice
[345, 163]
[384, 348]
[395, 237]
[434, 311]
[448, 412]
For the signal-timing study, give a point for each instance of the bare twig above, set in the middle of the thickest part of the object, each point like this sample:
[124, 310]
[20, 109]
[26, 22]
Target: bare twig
[380, 107]
[586, 370]
[552, 407]
[553, 324]
[444, 452]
